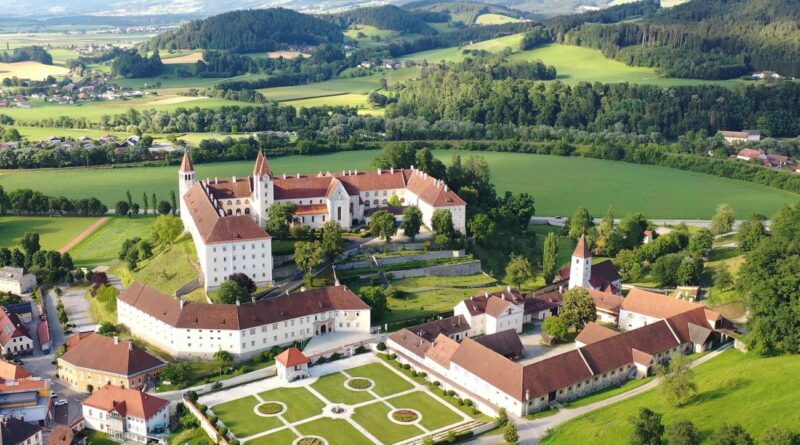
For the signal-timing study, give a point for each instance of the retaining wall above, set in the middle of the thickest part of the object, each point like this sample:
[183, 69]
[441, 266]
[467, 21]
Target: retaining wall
[444, 270]
[421, 257]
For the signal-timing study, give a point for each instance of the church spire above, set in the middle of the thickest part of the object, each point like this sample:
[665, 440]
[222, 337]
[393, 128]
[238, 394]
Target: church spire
[262, 167]
[186, 163]
[582, 249]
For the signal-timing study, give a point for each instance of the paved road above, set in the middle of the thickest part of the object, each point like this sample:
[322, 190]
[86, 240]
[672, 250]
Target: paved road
[532, 431]
[705, 223]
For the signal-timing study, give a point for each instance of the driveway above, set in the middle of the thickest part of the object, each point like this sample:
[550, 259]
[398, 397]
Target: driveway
[78, 308]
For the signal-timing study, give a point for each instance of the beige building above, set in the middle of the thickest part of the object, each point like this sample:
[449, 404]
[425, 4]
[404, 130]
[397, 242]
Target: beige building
[16, 281]
[98, 360]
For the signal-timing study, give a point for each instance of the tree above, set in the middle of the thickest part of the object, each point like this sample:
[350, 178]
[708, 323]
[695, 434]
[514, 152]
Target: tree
[332, 241]
[382, 225]
[30, 243]
[279, 219]
[108, 329]
[690, 271]
[555, 327]
[164, 208]
[665, 269]
[244, 280]
[134, 209]
[519, 270]
[604, 231]
[647, 428]
[396, 155]
[144, 203]
[223, 359]
[779, 436]
[722, 277]
[430, 165]
[580, 223]
[482, 227]
[751, 232]
[502, 417]
[632, 227]
[729, 434]
[722, 221]
[128, 198]
[550, 258]
[442, 223]
[122, 208]
[394, 201]
[375, 297]
[174, 201]
[510, 432]
[167, 228]
[578, 308]
[231, 291]
[700, 242]
[683, 432]
[308, 255]
[677, 380]
[412, 221]
[428, 440]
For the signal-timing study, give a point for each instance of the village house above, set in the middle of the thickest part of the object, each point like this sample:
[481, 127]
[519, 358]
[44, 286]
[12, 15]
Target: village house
[96, 360]
[739, 137]
[125, 413]
[187, 330]
[16, 281]
[226, 216]
[14, 336]
[22, 395]
[292, 365]
[17, 432]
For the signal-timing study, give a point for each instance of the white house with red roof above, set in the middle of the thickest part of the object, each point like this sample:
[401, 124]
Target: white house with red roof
[227, 216]
[14, 336]
[292, 365]
[125, 414]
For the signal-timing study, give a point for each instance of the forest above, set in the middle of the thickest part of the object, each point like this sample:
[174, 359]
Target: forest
[249, 31]
[27, 53]
[132, 64]
[721, 38]
[391, 17]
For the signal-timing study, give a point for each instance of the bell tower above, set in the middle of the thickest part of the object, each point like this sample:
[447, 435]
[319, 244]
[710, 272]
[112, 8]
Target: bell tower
[580, 268]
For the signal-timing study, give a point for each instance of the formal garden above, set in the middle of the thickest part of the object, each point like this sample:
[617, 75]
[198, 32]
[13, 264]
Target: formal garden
[368, 404]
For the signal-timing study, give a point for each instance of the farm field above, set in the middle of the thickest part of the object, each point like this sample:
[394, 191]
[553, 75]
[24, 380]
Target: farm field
[347, 100]
[94, 111]
[101, 247]
[353, 85]
[559, 184]
[756, 392]
[54, 232]
[495, 19]
[30, 70]
[573, 63]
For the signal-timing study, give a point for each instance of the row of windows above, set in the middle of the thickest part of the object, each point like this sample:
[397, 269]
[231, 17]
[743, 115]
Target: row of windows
[239, 202]
[243, 247]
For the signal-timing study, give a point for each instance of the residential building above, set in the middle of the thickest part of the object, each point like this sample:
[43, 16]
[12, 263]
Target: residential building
[641, 308]
[189, 330]
[226, 216]
[14, 336]
[22, 395]
[16, 281]
[292, 365]
[98, 360]
[739, 137]
[125, 413]
[17, 432]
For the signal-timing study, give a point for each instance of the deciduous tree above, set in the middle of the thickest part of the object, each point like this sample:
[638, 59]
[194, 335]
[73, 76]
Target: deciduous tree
[412, 222]
[578, 308]
[519, 270]
[555, 327]
[683, 432]
[677, 380]
[722, 221]
[279, 219]
[550, 257]
[332, 241]
[382, 225]
[647, 428]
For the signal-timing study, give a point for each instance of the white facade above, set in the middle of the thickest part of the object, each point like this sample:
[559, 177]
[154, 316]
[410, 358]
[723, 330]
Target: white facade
[124, 428]
[580, 272]
[291, 373]
[16, 281]
[221, 260]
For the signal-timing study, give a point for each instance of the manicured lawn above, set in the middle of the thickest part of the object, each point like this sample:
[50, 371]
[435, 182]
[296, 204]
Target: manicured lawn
[336, 431]
[98, 438]
[758, 393]
[300, 403]
[102, 247]
[373, 418]
[560, 184]
[54, 232]
[332, 388]
[167, 271]
[239, 417]
[283, 436]
[386, 381]
[434, 414]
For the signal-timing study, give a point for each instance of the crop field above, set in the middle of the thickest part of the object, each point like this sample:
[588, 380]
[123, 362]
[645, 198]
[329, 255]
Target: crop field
[755, 392]
[64, 39]
[495, 19]
[369, 31]
[54, 232]
[559, 184]
[30, 70]
[94, 111]
[324, 92]
[190, 58]
[102, 247]
[348, 100]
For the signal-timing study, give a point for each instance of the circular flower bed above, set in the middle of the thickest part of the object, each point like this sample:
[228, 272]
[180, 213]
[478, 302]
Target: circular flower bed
[405, 416]
[270, 408]
[359, 383]
[311, 441]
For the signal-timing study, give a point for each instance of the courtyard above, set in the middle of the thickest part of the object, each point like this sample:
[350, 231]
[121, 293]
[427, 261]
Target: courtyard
[356, 401]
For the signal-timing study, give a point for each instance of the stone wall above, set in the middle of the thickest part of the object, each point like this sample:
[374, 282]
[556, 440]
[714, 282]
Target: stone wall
[439, 254]
[444, 270]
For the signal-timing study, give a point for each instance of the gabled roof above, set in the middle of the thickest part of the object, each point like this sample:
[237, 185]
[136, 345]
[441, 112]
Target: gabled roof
[432, 191]
[656, 305]
[215, 228]
[302, 186]
[292, 357]
[582, 249]
[11, 327]
[411, 342]
[10, 371]
[593, 333]
[505, 343]
[110, 355]
[186, 163]
[606, 301]
[62, 435]
[126, 402]
[604, 274]
[477, 305]
[227, 188]
[442, 350]
[447, 326]
[490, 367]
[496, 306]
[17, 432]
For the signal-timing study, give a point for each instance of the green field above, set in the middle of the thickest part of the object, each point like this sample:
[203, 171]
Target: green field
[758, 393]
[167, 270]
[101, 247]
[495, 19]
[54, 232]
[30, 70]
[559, 184]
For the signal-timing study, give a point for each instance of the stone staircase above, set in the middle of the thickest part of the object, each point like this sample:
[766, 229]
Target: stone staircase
[462, 428]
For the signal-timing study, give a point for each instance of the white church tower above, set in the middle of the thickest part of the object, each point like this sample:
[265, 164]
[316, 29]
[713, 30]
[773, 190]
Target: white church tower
[580, 269]
[186, 180]
[263, 189]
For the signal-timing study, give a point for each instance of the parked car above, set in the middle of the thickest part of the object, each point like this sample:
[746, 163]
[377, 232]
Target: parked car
[61, 402]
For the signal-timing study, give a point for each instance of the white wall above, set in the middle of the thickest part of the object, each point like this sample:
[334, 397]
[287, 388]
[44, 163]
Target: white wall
[253, 258]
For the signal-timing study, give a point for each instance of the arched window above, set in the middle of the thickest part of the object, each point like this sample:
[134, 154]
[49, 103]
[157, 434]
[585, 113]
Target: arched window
[247, 211]
[384, 202]
[229, 202]
[238, 202]
[230, 212]
[238, 211]
[375, 202]
[366, 204]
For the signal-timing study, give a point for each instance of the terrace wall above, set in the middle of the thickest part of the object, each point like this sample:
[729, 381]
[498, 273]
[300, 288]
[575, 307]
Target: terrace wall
[443, 270]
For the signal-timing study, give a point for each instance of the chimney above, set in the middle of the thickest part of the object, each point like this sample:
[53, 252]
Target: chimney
[445, 187]
[355, 172]
[508, 288]
[233, 179]
[238, 303]
[284, 176]
[216, 180]
[344, 173]
[412, 166]
[298, 176]
[116, 340]
[130, 346]
[302, 288]
[253, 299]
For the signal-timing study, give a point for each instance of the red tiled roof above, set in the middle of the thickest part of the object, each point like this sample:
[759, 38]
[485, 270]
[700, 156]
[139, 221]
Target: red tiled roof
[215, 228]
[495, 306]
[490, 367]
[43, 331]
[750, 153]
[292, 357]
[442, 350]
[434, 192]
[606, 301]
[246, 315]
[656, 305]
[126, 402]
[226, 188]
[604, 274]
[447, 326]
[293, 187]
[372, 180]
[262, 167]
[10, 371]
[593, 333]
[543, 377]
[582, 249]
[105, 354]
[311, 209]
[186, 163]
[11, 327]
[477, 304]
[411, 342]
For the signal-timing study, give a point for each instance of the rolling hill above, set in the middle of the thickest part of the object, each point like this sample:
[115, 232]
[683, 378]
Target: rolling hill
[466, 12]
